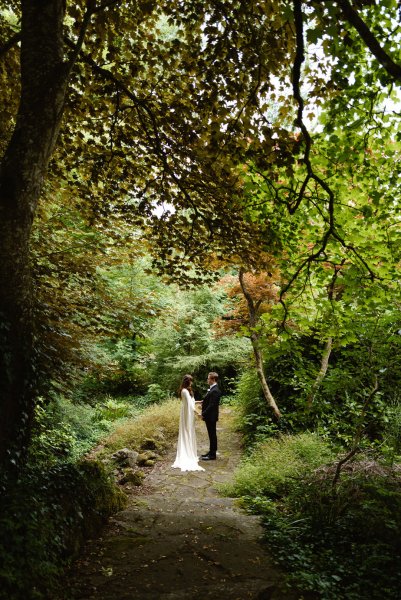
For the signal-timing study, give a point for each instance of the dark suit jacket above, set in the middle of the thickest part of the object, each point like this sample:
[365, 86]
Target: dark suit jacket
[210, 404]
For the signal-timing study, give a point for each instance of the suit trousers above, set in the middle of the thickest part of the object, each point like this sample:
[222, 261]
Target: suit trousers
[211, 430]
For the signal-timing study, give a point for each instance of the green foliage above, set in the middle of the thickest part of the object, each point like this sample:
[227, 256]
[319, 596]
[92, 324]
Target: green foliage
[53, 438]
[156, 394]
[336, 409]
[44, 518]
[110, 410]
[120, 370]
[253, 416]
[342, 543]
[155, 95]
[314, 532]
[95, 303]
[272, 465]
[391, 446]
[184, 341]
[64, 430]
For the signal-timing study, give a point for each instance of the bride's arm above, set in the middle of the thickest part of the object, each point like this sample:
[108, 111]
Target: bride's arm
[190, 399]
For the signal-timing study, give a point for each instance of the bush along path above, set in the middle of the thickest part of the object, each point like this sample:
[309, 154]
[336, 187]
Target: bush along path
[179, 539]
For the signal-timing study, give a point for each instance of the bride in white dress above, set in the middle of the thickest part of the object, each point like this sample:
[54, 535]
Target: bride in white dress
[187, 459]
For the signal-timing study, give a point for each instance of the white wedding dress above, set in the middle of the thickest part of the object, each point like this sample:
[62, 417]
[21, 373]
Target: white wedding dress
[187, 458]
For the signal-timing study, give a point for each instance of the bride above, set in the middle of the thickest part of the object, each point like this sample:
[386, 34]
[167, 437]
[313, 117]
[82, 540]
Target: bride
[187, 459]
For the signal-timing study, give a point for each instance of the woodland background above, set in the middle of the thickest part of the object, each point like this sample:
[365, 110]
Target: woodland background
[198, 186]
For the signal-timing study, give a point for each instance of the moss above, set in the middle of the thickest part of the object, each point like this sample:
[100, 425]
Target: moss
[149, 444]
[146, 457]
[133, 477]
[102, 497]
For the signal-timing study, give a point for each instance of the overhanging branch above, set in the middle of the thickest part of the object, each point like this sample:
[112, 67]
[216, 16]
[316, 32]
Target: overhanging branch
[331, 232]
[10, 43]
[370, 39]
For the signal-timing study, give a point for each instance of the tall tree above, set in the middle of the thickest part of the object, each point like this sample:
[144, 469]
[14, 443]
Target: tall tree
[145, 111]
[44, 77]
[161, 103]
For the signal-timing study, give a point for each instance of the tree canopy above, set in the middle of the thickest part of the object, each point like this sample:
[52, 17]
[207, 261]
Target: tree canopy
[174, 115]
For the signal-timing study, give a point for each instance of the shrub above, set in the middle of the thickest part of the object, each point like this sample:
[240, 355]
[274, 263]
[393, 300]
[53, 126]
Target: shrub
[253, 414]
[291, 368]
[391, 446]
[344, 545]
[65, 431]
[272, 466]
[156, 394]
[111, 410]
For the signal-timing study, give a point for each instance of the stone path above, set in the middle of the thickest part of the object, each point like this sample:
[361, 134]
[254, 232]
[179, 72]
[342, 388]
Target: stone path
[179, 539]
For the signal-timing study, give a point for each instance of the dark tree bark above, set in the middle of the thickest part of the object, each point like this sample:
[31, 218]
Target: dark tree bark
[22, 169]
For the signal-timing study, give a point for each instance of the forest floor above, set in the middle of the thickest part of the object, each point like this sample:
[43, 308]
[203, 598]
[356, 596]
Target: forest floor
[179, 539]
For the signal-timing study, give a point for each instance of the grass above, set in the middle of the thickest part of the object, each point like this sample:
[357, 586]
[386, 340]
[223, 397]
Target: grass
[158, 423]
[274, 464]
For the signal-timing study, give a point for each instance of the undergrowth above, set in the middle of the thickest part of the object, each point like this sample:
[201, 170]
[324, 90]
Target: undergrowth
[44, 518]
[60, 498]
[339, 542]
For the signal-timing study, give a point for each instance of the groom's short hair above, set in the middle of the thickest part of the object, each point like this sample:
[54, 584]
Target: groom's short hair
[214, 375]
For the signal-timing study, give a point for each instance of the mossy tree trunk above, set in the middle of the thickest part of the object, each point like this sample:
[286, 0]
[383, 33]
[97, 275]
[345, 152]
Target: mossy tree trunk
[44, 76]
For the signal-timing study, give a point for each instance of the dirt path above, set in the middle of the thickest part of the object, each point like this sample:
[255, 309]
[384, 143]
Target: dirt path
[179, 539]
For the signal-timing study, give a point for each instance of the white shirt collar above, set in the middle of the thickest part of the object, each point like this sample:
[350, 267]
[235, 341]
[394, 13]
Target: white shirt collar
[212, 386]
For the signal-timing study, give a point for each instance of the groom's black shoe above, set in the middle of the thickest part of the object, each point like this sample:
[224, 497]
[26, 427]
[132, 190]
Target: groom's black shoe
[207, 454]
[208, 457]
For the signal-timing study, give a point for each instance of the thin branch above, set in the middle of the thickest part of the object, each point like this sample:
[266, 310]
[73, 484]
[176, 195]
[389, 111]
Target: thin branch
[372, 274]
[141, 106]
[84, 27]
[311, 175]
[108, 75]
[301, 267]
[358, 433]
[91, 10]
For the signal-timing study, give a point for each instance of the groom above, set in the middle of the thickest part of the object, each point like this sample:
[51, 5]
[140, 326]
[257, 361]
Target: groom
[210, 414]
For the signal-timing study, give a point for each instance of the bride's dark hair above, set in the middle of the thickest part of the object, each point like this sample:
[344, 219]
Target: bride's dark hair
[186, 383]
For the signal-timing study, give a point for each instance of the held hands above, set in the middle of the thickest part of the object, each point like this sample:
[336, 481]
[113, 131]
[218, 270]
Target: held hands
[197, 413]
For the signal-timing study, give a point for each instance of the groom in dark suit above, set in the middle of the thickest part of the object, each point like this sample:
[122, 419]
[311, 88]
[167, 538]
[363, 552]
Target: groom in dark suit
[210, 414]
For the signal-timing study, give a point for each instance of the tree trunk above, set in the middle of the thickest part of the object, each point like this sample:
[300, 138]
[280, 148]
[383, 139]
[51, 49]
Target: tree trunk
[253, 320]
[261, 375]
[22, 169]
[323, 370]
